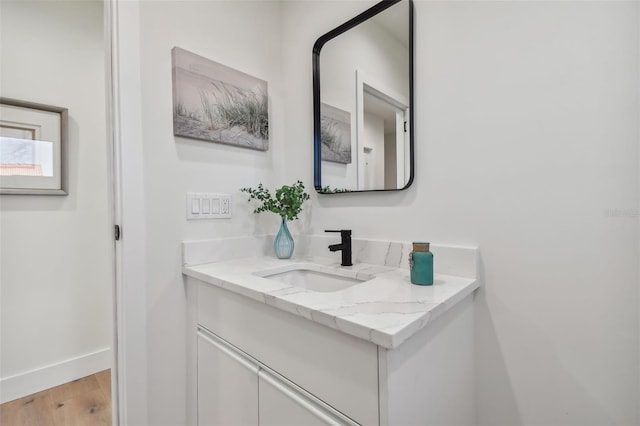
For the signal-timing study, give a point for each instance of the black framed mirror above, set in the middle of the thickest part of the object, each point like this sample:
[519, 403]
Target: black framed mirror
[363, 102]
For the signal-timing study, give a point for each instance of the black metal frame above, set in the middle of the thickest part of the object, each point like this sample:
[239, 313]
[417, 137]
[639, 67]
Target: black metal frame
[317, 156]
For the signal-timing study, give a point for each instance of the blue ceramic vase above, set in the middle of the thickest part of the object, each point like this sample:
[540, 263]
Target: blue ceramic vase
[283, 244]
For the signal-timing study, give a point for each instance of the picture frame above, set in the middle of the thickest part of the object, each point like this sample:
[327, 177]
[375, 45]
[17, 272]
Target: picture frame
[33, 148]
[216, 103]
[335, 134]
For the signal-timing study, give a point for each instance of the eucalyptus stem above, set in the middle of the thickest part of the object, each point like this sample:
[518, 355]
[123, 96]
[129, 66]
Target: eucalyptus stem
[287, 201]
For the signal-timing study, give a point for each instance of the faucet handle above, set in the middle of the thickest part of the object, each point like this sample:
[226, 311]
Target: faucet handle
[344, 232]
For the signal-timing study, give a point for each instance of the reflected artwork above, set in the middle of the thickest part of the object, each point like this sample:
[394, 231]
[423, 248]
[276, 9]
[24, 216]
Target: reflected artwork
[216, 103]
[335, 134]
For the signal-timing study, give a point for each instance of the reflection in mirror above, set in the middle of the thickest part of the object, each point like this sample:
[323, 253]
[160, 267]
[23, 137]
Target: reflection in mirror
[362, 102]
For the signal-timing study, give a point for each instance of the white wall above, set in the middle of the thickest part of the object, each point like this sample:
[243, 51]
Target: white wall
[526, 122]
[526, 137]
[56, 252]
[242, 35]
[390, 161]
[373, 138]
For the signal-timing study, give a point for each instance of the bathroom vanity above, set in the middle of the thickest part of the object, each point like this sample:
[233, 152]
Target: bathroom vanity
[305, 341]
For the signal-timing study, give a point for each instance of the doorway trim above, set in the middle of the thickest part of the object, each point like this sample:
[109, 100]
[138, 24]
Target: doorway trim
[129, 378]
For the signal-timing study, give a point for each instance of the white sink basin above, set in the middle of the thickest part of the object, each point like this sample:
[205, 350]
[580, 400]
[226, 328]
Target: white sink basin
[315, 278]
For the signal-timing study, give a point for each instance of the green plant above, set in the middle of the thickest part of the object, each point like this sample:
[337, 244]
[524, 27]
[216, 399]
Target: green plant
[287, 201]
[180, 110]
[227, 106]
[328, 190]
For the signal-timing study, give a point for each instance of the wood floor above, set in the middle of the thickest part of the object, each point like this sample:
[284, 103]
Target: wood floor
[83, 402]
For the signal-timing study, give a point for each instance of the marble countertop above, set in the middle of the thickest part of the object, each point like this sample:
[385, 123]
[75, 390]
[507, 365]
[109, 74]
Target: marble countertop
[386, 310]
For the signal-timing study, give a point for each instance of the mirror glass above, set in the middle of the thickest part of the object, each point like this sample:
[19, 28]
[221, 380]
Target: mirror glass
[363, 102]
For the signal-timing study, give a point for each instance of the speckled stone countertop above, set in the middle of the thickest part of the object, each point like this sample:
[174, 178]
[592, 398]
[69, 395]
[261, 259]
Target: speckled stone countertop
[385, 310]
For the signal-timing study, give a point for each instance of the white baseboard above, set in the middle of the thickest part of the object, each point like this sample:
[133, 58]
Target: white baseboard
[29, 382]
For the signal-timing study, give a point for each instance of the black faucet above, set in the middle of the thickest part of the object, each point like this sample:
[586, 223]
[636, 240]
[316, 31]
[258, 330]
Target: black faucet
[345, 246]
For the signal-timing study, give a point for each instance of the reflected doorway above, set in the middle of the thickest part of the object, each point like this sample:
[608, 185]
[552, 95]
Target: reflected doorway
[384, 140]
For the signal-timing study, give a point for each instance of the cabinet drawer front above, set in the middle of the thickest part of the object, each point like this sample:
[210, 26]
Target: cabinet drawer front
[283, 405]
[339, 369]
[227, 386]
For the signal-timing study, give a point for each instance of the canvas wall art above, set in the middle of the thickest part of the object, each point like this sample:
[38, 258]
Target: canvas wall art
[335, 134]
[216, 103]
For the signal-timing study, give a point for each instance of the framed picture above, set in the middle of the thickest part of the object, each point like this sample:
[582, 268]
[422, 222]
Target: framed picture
[335, 134]
[216, 103]
[33, 148]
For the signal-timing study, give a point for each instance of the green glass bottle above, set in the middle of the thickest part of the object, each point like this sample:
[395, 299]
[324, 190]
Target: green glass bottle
[421, 264]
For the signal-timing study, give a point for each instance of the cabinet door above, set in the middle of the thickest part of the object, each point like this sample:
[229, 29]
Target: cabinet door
[284, 404]
[227, 385]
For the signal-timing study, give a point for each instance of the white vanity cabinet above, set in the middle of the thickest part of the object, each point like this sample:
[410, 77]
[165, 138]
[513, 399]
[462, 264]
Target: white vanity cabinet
[284, 405]
[379, 352]
[278, 368]
[235, 389]
[255, 364]
[227, 385]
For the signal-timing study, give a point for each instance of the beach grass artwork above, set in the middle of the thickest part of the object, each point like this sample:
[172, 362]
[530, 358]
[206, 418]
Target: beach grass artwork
[335, 134]
[216, 103]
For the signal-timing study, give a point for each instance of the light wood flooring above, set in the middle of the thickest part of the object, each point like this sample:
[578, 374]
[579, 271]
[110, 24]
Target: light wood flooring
[83, 402]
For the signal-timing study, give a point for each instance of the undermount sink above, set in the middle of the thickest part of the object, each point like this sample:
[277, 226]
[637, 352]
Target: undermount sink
[313, 278]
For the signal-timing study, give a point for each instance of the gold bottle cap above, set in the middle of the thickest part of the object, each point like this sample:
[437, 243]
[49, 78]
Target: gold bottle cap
[420, 246]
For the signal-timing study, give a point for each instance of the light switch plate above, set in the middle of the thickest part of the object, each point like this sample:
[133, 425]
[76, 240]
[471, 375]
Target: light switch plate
[202, 205]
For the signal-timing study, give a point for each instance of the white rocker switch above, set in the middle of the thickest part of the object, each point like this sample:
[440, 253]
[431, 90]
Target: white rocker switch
[195, 206]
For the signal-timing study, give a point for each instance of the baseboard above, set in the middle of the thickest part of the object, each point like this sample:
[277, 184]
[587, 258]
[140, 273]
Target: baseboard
[37, 380]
